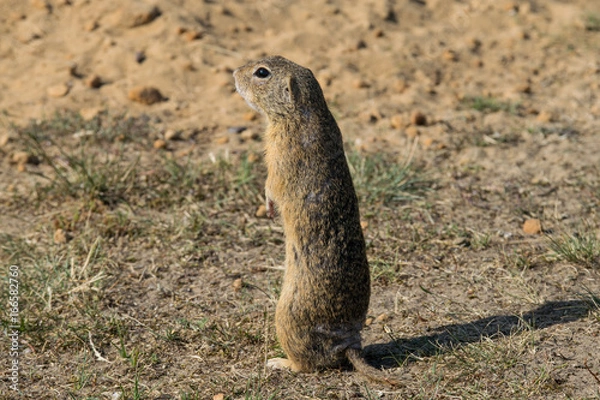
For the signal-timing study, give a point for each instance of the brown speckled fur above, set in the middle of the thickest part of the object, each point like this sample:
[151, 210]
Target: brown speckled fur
[326, 286]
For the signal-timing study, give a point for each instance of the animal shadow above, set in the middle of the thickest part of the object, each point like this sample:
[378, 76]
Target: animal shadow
[391, 354]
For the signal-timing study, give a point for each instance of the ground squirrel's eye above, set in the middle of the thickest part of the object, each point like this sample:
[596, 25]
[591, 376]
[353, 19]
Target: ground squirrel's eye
[262, 73]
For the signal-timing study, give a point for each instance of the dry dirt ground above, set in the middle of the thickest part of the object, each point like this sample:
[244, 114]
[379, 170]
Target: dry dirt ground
[131, 181]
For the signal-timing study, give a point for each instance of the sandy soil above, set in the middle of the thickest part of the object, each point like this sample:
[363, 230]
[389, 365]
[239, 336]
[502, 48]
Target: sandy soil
[378, 62]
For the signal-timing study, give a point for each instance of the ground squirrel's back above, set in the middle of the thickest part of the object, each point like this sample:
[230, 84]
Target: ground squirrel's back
[326, 287]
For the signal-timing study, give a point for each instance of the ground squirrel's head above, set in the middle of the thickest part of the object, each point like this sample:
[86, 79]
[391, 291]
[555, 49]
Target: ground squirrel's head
[279, 88]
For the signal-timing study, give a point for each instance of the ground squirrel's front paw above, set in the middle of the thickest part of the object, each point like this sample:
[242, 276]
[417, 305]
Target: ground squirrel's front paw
[270, 208]
[280, 363]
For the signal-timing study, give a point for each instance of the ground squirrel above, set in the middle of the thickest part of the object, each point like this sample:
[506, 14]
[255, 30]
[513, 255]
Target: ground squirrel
[326, 285]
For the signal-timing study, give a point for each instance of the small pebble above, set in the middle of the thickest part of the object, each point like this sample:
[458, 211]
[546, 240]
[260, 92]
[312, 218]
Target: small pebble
[193, 35]
[159, 144]
[400, 85]
[532, 226]
[261, 212]
[187, 66]
[89, 113]
[397, 121]
[427, 142]
[511, 6]
[544, 117]
[22, 158]
[90, 26]
[382, 318]
[253, 157]
[184, 152]
[16, 16]
[371, 116]
[412, 132]
[42, 5]
[93, 81]
[250, 134]
[58, 90]
[172, 134]
[450, 55]
[145, 95]
[250, 116]
[523, 88]
[237, 285]
[60, 236]
[473, 44]
[360, 84]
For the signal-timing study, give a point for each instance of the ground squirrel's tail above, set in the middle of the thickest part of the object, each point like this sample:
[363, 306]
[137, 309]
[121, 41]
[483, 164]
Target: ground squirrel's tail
[360, 364]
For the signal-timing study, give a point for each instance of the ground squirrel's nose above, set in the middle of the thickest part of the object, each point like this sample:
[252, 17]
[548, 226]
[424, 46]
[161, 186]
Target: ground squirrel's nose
[236, 83]
[235, 80]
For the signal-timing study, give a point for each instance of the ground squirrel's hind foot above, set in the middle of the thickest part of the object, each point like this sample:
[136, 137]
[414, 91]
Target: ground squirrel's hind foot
[282, 363]
[360, 364]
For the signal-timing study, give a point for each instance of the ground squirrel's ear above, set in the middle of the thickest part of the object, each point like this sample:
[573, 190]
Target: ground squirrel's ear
[291, 91]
